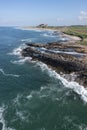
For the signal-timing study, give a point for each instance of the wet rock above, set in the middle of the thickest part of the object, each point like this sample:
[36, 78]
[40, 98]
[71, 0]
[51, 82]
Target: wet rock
[66, 62]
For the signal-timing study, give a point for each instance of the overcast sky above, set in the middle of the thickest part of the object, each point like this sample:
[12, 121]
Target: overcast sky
[34, 12]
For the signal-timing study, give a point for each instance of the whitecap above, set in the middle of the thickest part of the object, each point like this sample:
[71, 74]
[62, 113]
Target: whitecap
[29, 96]
[5, 74]
[22, 61]
[17, 51]
[80, 90]
[26, 40]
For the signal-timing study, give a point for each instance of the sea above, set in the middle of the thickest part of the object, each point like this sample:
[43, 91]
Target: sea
[32, 95]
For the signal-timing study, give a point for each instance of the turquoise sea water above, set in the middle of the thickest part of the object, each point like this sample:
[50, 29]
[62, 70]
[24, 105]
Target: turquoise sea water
[32, 96]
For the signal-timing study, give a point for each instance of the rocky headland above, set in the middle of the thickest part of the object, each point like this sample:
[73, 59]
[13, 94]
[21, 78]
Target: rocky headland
[66, 58]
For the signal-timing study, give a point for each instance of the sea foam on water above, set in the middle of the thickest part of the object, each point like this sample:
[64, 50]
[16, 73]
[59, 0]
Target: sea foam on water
[69, 84]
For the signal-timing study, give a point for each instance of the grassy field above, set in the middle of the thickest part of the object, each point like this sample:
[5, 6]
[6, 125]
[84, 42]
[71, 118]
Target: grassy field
[80, 31]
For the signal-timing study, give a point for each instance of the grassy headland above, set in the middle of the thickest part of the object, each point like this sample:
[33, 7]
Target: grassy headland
[79, 31]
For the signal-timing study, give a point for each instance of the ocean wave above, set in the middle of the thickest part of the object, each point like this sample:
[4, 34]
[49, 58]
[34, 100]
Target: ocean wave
[22, 61]
[48, 35]
[17, 51]
[2, 120]
[80, 90]
[26, 40]
[5, 74]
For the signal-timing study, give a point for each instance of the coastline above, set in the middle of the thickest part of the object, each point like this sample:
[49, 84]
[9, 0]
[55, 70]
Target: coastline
[62, 61]
[72, 38]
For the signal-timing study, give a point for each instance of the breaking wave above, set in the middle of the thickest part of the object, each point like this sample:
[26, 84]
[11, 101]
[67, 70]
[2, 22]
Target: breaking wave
[80, 90]
[22, 61]
[17, 51]
[26, 40]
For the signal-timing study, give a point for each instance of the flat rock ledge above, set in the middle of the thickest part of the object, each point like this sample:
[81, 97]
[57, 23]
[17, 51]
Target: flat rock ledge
[64, 57]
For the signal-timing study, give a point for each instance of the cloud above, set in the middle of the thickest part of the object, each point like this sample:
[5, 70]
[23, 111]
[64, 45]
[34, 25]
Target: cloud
[60, 19]
[83, 16]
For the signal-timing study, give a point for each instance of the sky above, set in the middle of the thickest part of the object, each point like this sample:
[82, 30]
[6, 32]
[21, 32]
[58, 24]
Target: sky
[35, 12]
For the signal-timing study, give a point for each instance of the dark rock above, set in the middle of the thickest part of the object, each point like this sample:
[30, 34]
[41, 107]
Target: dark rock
[67, 63]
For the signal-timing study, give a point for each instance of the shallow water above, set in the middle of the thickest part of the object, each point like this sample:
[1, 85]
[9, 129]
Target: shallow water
[32, 96]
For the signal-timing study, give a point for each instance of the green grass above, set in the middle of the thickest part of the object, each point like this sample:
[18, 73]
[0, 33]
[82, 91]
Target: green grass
[80, 31]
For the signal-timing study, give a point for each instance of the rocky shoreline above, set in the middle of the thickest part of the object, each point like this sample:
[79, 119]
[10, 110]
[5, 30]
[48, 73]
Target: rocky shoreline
[66, 57]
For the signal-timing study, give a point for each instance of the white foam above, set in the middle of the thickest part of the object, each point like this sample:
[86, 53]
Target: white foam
[26, 40]
[48, 35]
[17, 51]
[29, 96]
[16, 100]
[42, 48]
[72, 85]
[43, 128]
[21, 115]
[2, 120]
[82, 127]
[22, 60]
[5, 74]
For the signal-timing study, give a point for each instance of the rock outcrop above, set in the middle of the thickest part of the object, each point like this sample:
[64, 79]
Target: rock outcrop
[67, 58]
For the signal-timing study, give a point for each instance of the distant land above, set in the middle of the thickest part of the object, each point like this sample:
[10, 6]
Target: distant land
[73, 30]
